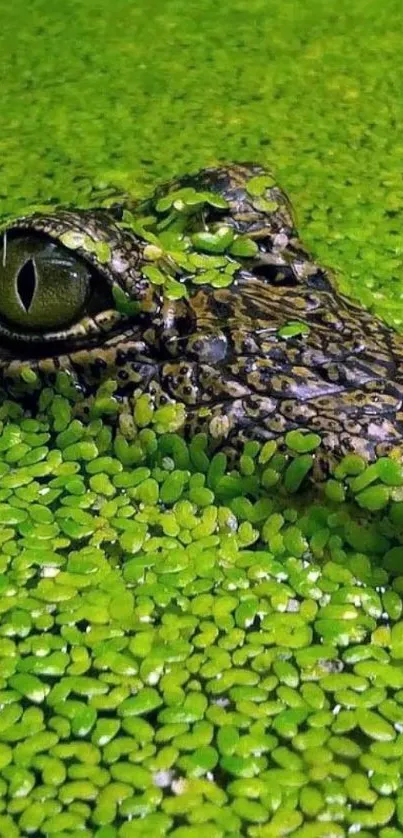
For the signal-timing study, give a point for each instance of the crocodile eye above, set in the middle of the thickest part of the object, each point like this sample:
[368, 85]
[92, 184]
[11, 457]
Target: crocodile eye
[42, 285]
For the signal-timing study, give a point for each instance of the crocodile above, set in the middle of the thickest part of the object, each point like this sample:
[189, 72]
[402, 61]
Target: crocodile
[202, 294]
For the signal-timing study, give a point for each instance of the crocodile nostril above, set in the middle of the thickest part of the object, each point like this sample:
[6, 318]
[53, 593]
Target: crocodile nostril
[26, 283]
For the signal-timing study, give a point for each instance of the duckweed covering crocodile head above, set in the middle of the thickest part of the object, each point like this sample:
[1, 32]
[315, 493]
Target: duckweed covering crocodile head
[204, 295]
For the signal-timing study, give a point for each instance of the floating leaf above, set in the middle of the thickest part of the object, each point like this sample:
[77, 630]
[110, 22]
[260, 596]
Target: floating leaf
[202, 260]
[214, 278]
[191, 204]
[174, 222]
[181, 259]
[296, 471]
[302, 442]
[164, 203]
[231, 267]
[73, 239]
[216, 242]
[174, 290]
[200, 279]
[28, 375]
[222, 280]
[257, 186]
[185, 195]
[189, 198]
[293, 329]
[138, 225]
[171, 240]
[262, 205]
[102, 251]
[243, 246]
[216, 200]
[152, 252]
[123, 303]
[154, 275]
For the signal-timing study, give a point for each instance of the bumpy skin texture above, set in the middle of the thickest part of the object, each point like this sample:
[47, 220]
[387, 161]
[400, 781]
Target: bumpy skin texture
[219, 351]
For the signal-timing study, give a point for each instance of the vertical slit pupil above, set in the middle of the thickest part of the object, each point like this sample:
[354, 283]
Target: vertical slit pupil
[26, 284]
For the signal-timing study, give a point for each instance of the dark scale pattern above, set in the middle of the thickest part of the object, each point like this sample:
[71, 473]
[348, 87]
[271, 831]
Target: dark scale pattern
[220, 351]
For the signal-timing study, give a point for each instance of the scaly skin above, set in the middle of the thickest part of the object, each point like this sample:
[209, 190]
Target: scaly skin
[219, 351]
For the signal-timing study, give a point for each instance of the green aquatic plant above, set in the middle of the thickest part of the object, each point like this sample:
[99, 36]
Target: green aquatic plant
[182, 647]
[183, 247]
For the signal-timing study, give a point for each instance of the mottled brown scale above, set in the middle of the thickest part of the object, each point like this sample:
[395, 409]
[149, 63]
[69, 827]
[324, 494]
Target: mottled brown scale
[220, 351]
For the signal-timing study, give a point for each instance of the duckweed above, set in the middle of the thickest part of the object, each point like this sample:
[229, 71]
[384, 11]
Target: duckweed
[181, 645]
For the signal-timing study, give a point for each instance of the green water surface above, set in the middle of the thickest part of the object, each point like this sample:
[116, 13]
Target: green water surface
[135, 92]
